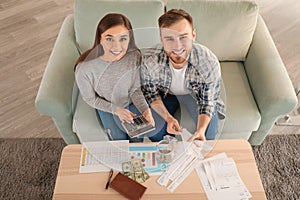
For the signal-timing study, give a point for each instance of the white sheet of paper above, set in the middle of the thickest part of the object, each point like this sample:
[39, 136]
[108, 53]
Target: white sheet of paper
[220, 179]
[173, 168]
[186, 135]
[226, 176]
[100, 156]
[179, 179]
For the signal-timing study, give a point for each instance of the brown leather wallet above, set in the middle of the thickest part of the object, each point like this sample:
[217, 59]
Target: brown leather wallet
[127, 187]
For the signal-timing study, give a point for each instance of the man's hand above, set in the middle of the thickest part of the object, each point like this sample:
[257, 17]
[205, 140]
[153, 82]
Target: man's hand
[124, 115]
[198, 135]
[173, 126]
[148, 116]
[203, 121]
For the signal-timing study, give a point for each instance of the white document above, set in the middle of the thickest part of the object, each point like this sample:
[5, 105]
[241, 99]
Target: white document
[220, 179]
[181, 167]
[101, 156]
[173, 168]
[178, 170]
[183, 156]
[186, 135]
[179, 179]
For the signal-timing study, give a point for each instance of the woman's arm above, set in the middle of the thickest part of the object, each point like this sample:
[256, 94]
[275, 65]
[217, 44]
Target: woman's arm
[138, 98]
[85, 85]
[135, 92]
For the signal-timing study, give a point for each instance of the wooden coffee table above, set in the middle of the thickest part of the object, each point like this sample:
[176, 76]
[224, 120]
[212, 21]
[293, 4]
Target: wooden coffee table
[70, 184]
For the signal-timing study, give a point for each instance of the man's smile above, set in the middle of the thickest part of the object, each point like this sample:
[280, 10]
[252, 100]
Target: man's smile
[179, 52]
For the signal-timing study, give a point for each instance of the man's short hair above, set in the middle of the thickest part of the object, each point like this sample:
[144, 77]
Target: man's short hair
[173, 16]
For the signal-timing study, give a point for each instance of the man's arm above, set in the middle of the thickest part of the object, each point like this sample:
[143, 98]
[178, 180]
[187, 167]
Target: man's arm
[208, 95]
[203, 121]
[173, 126]
[149, 81]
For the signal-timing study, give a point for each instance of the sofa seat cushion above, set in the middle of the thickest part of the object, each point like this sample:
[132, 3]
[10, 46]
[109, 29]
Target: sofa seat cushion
[86, 123]
[87, 14]
[242, 114]
[225, 27]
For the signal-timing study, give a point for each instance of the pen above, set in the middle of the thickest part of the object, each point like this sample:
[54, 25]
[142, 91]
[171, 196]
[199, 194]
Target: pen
[109, 177]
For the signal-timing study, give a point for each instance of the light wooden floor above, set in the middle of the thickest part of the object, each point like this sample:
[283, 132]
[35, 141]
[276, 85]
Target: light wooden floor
[28, 30]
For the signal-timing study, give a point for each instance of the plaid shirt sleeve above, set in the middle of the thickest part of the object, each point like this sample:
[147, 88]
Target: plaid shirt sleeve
[208, 96]
[209, 88]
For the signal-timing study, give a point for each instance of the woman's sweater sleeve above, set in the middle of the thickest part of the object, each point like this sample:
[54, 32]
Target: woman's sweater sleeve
[85, 85]
[136, 93]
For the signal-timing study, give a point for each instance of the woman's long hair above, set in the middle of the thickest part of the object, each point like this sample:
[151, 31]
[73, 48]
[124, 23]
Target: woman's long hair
[107, 22]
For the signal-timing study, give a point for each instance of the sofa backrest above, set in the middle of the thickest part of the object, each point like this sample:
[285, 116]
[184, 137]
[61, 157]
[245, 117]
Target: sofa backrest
[224, 26]
[143, 15]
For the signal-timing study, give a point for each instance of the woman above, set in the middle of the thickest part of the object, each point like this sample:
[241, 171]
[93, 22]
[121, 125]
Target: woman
[108, 78]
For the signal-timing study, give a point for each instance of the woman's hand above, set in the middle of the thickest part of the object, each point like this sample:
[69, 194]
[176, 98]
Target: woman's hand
[124, 115]
[148, 116]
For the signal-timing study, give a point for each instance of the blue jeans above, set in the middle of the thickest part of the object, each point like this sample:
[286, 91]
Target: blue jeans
[172, 103]
[112, 125]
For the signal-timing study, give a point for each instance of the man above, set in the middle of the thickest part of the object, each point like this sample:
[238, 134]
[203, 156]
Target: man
[182, 73]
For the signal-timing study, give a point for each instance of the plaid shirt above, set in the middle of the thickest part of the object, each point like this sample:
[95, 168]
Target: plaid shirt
[202, 78]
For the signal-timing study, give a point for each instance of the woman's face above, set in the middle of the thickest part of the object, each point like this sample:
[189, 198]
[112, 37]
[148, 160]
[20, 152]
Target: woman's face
[115, 42]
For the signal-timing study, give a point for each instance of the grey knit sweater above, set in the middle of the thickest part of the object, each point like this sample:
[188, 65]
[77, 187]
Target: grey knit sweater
[104, 85]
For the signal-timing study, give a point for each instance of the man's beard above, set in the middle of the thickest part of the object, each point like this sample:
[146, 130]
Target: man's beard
[178, 59]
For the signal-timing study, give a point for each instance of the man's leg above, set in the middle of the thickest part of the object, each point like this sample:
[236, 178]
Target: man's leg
[191, 105]
[171, 103]
[160, 128]
[212, 129]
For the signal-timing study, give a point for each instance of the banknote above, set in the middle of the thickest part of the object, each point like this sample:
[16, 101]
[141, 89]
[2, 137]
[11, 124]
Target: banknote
[134, 170]
[127, 167]
[137, 164]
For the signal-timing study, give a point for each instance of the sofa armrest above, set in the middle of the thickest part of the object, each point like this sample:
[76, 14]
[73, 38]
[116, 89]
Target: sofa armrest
[54, 97]
[269, 81]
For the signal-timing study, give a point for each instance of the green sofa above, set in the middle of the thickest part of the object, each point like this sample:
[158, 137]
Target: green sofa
[258, 88]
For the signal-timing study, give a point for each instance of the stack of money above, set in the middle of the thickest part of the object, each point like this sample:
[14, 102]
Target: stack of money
[134, 170]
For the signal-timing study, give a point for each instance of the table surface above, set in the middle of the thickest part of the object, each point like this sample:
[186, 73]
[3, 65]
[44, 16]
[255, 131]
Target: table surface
[70, 184]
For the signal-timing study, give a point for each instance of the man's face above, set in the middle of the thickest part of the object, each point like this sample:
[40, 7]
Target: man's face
[177, 41]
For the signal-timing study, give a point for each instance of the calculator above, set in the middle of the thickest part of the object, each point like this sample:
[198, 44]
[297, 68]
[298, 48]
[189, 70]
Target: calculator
[140, 127]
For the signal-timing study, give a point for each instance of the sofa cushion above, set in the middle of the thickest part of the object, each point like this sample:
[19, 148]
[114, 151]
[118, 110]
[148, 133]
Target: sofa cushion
[225, 27]
[143, 15]
[242, 114]
[86, 123]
